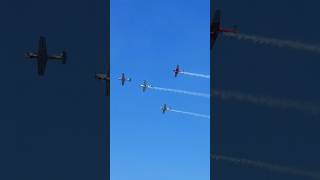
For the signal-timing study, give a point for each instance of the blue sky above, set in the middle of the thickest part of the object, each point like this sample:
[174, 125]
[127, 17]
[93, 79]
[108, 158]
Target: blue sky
[148, 39]
[56, 124]
[282, 137]
[53, 126]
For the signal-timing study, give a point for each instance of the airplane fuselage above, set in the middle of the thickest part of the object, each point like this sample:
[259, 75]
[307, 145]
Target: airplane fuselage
[164, 108]
[144, 86]
[102, 76]
[123, 79]
[176, 71]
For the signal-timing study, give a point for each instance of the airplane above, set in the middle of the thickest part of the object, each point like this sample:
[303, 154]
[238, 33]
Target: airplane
[215, 28]
[42, 56]
[177, 71]
[100, 76]
[165, 108]
[145, 86]
[123, 79]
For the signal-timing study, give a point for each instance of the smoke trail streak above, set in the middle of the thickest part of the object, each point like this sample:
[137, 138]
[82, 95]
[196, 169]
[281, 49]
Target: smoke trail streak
[181, 91]
[196, 75]
[271, 167]
[190, 113]
[269, 101]
[274, 42]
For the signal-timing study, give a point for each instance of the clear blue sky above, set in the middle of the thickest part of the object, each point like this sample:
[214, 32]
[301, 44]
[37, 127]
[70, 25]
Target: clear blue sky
[283, 137]
[148, 39]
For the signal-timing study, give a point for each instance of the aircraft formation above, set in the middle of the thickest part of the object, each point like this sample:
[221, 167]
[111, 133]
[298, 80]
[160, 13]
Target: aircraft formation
[43, 57]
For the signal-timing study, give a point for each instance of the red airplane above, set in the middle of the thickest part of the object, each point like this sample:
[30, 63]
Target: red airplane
[177, 71]
[215, 28]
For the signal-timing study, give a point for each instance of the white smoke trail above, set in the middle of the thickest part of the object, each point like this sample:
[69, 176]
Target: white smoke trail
[269, 101]
[196, 74]
[181, 91]
[274, 42]
[190, 113]
[271, 167]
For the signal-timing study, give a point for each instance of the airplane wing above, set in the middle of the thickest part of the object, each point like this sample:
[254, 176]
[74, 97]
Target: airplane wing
[41, 67]
[42, 56]
[42, 46]
[108, 88]
[101, 77]
[213, 38]
[211, 35]
[214, 28]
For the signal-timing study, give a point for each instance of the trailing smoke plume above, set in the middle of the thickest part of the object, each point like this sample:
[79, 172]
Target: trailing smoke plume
[196, 74]
[181, 92]
[267, 166]
[190, 113]
[274, 42]
[268, 101]
[247, 98]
